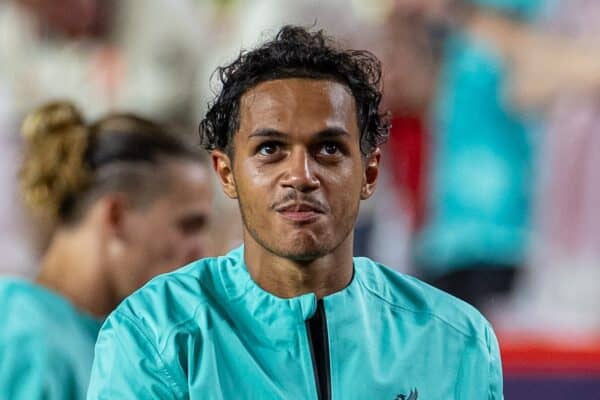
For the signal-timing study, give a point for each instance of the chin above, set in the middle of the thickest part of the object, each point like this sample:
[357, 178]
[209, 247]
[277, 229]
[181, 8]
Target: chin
[304, 249]
[300, 246]
[303, 256]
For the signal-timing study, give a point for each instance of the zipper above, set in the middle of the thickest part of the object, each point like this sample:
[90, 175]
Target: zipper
[318, 341]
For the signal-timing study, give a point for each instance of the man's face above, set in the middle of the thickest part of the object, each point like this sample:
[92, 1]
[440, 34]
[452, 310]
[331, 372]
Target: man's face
[297, 169]
[171, 231]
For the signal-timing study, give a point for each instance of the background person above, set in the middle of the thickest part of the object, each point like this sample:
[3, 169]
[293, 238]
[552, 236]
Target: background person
[125, 201]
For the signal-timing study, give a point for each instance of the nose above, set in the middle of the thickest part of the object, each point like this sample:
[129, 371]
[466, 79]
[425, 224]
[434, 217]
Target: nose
[300, 172]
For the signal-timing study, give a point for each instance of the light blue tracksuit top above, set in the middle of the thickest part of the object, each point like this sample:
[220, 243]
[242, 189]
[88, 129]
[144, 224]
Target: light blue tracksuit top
[46, 344]
[208, 331]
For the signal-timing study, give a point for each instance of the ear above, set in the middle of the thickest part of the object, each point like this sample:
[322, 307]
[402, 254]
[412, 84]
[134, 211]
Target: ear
[222, 166]
[110, 213]
[109, 218]
[371, 174]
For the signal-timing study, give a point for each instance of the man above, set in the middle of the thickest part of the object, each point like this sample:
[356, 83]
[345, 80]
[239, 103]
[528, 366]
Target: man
[295, 135]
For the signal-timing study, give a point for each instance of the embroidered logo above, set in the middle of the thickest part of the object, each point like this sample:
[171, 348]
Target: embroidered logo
[413, 395]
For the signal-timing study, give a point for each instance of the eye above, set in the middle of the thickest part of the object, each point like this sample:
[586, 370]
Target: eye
[330, 149]
[268, 148]
[192, 224]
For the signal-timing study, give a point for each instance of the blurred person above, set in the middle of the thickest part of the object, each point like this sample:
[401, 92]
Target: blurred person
[295, 135]
[127, 201]
[476, 232]
[563, 97]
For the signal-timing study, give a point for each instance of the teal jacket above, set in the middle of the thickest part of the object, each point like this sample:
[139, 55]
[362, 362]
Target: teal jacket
[208, 331]
[46, 344]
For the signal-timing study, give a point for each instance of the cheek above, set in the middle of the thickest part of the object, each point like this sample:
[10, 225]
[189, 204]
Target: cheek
[343, 186]
[170, 244]
[347, 205]
[161, 257]
[255, 187]
[157, 243]
[253, 179]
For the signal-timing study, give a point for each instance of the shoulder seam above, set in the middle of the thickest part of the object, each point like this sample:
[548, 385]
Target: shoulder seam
[488, 331]
[436, 316]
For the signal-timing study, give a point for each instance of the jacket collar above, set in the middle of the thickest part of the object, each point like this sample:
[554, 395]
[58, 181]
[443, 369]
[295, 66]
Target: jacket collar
[265, 306]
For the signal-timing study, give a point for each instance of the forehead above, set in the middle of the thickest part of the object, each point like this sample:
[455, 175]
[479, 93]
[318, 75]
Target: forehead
[298, 104]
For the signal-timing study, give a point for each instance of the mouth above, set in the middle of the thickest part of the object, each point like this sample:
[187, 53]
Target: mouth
[300, 212]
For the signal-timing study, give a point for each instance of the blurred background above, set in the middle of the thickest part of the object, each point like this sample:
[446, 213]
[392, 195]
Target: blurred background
[491, 182]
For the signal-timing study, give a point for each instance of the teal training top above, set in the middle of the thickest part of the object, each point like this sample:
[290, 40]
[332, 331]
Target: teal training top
[208, 331]
[46, 345]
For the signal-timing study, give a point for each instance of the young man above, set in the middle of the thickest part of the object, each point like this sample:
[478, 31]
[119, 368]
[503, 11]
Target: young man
[294, 135]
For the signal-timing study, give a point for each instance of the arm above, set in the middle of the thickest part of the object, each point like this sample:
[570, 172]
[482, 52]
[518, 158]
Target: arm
[128, 365]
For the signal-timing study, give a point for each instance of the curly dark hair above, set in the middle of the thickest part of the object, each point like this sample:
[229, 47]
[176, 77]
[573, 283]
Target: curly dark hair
[295, 52]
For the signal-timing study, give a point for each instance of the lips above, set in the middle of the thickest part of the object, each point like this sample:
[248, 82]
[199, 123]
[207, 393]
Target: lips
[300, 211]
[300, 207]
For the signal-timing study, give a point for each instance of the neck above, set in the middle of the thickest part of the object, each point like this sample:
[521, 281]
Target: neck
[76, 275]
[286, 278]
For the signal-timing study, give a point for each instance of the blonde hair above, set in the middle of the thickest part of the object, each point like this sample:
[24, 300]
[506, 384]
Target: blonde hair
[69, 163]
[54, 164]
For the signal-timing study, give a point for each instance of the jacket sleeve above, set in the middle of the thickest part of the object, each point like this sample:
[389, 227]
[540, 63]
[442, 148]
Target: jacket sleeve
[127, 364]
[495, 366]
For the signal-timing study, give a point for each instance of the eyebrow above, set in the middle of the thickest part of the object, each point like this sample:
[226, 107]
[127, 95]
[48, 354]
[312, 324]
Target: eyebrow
[328, 133]
[268, 133]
